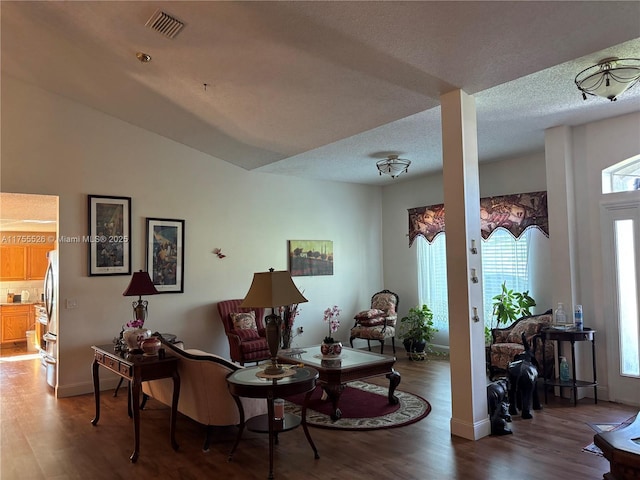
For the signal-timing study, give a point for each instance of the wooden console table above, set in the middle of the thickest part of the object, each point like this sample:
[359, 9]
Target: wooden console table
[136, 369]
[571, 336]
[622, 449]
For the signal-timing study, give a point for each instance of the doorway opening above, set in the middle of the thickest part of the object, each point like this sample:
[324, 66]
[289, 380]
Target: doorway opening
[28, 232]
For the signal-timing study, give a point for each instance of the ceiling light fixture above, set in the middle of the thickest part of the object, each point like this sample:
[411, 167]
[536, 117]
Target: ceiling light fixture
[393, 166]
[609, 78]
[143, 57]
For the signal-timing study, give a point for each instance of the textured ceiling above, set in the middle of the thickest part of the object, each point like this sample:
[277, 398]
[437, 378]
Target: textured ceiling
[34, 213]
[324, 89]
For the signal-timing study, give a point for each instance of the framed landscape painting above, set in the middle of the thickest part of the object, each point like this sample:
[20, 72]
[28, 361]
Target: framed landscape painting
[309, 258]
[165, 254]
[109, 236]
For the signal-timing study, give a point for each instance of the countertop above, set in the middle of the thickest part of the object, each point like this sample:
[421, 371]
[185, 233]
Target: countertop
[21, 303]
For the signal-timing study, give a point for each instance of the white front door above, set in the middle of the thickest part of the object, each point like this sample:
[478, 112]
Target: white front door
[620, 221]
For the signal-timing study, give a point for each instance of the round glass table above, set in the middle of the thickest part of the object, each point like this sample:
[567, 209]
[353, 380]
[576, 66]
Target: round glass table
[251, 382]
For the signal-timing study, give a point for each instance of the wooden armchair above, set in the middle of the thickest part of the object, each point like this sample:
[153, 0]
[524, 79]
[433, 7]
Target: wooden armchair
[379, 322]
[507, 343]
[247, 337]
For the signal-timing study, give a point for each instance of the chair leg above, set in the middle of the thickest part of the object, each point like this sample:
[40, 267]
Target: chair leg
[115, 394]
[393, 344]
[207, 438]
[381, 347]
[369, 344]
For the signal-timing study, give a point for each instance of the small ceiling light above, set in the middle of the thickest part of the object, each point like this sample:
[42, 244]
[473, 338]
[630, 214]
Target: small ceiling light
[609, 78]
[393, 166]
[143, 57]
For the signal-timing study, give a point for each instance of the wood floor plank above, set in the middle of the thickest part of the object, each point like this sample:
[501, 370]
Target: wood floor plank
[45, 438]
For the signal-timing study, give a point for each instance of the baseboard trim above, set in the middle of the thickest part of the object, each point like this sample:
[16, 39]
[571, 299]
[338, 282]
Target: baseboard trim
[471, 431]
[86, 388]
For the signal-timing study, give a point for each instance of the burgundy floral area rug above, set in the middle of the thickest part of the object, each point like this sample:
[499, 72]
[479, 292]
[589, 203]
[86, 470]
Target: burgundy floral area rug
[605, 427]
[364, 406]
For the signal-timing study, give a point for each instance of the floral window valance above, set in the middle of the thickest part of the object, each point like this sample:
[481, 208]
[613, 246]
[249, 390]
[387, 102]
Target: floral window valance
[514, 213]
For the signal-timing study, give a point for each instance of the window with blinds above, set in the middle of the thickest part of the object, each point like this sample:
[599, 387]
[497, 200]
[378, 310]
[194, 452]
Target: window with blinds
[504, 259]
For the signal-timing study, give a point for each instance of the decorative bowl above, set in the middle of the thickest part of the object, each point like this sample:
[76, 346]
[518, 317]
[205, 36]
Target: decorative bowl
[133, 337]
[151, 345]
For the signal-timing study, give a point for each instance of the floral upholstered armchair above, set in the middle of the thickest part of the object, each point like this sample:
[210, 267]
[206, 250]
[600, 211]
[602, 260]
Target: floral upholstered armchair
[379, 321]
[507, 343]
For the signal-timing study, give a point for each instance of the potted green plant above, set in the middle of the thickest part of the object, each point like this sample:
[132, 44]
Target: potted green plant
[508, 306]
[417, 330]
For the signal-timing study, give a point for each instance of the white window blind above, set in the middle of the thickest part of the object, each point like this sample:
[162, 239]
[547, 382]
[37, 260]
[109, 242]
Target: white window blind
[503, 259]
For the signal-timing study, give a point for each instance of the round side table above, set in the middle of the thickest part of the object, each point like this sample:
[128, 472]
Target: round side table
[572, 336]
[245, 383]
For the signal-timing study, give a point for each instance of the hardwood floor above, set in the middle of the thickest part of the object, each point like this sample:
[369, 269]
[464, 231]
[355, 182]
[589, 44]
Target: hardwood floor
[45, 438]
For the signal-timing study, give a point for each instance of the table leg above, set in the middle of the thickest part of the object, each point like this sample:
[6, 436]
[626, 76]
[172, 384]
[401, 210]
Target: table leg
[115, 393]
[129, 410]
[304, 423]
[334, 392]
[593, 359]
[240, 427]
[96, 391]
[394, 381]
[135, 403]
[573, 379]
[544, 363]
[174, 408]
[270, 413]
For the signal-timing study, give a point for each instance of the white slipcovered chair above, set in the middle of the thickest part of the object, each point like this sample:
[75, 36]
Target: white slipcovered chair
[204, 394]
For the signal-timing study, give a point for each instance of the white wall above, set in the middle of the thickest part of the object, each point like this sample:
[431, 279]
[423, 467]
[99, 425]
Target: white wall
[51, 145]
[596, 146]
[526, 174]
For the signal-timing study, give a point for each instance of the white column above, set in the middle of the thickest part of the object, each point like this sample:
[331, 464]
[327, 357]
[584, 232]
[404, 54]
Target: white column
[563, 235]
[562, 213]
[462, 216]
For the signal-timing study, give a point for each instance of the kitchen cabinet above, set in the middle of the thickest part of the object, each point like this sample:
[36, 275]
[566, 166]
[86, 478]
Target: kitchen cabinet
[13, 262]
[37, 261]
[15, 321]
[23, 255]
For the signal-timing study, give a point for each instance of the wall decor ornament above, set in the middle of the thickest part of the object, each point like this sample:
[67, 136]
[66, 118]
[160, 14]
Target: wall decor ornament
[165, 254]
[514, 213]
[308, 258]
[109, 239]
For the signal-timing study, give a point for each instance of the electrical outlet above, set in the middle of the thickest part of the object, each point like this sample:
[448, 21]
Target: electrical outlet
[71, 303]
[300, 331]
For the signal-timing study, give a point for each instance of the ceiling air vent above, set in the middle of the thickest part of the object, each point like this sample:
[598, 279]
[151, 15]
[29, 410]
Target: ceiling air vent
[164, 24]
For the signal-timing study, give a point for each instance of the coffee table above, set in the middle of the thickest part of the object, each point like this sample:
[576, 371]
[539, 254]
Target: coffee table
[335, 373]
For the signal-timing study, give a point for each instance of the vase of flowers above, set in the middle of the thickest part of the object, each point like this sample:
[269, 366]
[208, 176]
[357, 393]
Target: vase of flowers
[330, 347]
[134, 334]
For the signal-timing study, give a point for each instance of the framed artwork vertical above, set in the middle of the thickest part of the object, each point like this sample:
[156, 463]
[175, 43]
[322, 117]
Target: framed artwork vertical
[310, 257]
[165, 254]
[109, 237]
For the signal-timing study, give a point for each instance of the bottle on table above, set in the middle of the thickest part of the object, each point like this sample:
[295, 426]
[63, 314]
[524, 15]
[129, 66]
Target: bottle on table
[564, 370]
[577, 317]
[560, 315]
